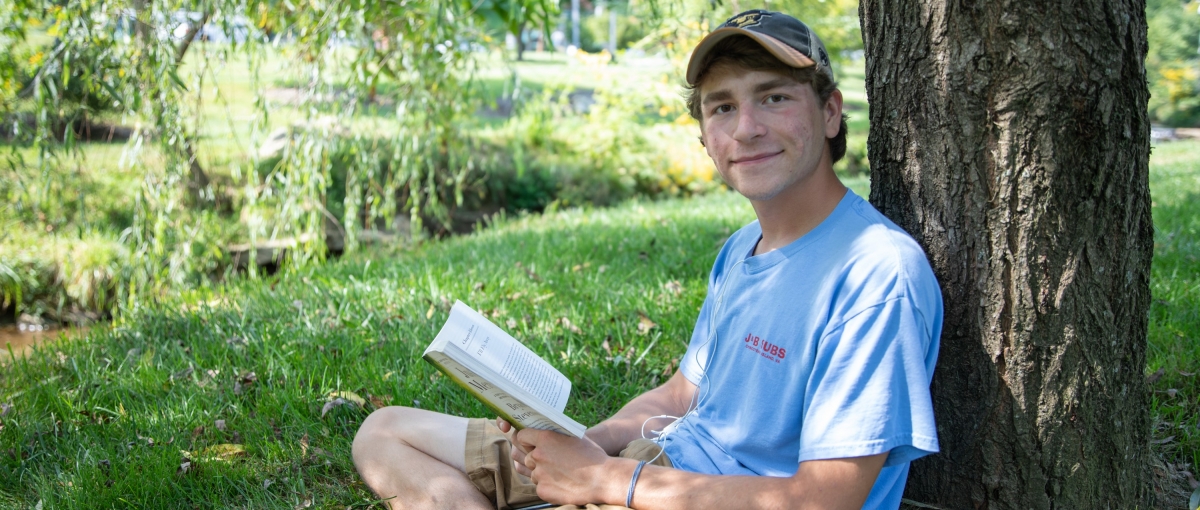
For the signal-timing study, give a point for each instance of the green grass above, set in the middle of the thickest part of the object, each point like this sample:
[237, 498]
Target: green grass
[1175, 310]
[170, 370]
[106, 421]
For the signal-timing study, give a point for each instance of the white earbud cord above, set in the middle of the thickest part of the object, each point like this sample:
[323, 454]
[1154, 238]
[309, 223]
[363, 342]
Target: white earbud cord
[697, 398]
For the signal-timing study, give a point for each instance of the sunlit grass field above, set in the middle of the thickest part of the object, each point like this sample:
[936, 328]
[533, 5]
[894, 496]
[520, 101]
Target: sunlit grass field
[218, 398]
[1174, 347]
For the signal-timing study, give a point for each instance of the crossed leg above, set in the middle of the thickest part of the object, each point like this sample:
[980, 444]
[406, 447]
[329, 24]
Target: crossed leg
[416, 458]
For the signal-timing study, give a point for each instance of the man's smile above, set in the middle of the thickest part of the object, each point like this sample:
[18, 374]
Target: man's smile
[756, 157]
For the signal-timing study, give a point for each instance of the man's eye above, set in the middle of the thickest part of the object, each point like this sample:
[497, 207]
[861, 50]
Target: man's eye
[775, 98]
[723, 109]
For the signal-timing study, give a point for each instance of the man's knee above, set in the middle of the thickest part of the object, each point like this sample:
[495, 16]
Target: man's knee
[384, 424]
[438, 435]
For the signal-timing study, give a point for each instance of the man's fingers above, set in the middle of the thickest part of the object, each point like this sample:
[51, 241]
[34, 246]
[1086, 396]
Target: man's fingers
[517, 455]
[520, 468]
[510, 432]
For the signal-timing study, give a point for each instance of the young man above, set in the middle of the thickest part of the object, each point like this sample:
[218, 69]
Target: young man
[806, 382]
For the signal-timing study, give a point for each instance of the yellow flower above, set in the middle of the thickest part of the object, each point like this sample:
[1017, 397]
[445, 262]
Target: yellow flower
[36, 58]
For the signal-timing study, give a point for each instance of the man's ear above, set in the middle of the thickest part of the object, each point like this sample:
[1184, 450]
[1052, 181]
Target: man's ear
[833, 114]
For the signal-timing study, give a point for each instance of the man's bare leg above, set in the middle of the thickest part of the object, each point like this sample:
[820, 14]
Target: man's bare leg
[416, 458]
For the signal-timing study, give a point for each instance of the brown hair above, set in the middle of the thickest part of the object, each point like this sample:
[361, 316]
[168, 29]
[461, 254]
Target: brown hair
[742, 52]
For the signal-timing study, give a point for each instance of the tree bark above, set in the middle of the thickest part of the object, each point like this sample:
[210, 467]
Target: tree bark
[1010, 138]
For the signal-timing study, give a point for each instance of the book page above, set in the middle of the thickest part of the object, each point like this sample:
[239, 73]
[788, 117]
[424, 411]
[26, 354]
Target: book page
[476, 336]
[507, 406]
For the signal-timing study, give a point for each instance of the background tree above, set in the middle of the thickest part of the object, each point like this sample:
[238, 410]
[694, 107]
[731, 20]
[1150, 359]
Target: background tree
[1011, 139]
[123, 59]
[1173, 61]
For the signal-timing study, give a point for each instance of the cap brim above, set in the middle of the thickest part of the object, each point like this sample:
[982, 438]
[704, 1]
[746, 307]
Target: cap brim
[783, 52]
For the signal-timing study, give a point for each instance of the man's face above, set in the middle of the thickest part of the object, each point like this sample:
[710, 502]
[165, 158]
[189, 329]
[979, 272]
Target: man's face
[764, 131]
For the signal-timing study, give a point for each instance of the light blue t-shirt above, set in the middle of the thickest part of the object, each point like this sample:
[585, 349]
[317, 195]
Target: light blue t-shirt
[822, 349]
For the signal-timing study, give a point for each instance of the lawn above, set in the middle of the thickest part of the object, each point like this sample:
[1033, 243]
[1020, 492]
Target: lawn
[234, 380]
[217, 398]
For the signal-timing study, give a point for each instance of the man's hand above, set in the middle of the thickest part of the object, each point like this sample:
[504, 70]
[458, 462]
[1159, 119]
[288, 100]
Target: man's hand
[518, 452]
[569, 470]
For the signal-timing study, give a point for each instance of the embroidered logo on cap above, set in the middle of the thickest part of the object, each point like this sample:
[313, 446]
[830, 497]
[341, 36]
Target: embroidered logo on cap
[747, 19]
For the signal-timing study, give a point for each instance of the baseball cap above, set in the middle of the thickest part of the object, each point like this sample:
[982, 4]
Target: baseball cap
[789, 39]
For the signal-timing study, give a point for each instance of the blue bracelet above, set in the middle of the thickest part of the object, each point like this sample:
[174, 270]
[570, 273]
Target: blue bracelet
[633, 482]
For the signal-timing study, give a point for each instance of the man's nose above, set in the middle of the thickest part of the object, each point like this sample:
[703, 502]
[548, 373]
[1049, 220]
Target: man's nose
[748, 125]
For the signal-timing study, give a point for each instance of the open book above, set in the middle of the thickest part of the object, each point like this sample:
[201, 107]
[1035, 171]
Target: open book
[501, 372]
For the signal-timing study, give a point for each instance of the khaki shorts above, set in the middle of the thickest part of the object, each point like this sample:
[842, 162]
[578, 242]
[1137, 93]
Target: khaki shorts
[490, 467]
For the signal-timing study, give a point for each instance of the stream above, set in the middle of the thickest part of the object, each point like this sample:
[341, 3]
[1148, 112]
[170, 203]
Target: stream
[22, 341]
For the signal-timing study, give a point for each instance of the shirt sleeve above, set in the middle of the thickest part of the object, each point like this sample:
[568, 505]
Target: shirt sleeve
[869, 388]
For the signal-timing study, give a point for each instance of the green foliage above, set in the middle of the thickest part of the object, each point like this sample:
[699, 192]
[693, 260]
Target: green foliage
[631, 28]
[125, 60]
[1173, 61]
[66, 280]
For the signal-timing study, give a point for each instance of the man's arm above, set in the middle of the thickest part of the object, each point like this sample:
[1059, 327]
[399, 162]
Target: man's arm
[671, 398]
[574, 471]
[614, 434]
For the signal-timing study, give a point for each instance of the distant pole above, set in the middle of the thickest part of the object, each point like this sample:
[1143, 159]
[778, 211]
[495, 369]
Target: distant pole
[612, 32]
[575, 23]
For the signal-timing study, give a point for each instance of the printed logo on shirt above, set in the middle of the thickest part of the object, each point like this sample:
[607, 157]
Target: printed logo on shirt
[764, 348]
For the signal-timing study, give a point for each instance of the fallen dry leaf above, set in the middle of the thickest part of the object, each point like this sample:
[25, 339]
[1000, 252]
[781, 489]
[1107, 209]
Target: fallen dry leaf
[182, 374]
[1164, 440]
[332, 404]
[304, 445]
[673, 287]
[479, 286]
[566, 324]
[220, 425]
[511, 323]
[1172, 392]
[644, 323]
[223, 452]
[607, 346]
[185, 465]
[303, 504]
[1153, 378]
[1186, 374]
[379, 401]
[267, 483]
[348, 395]
[5, 409]
[530, 272]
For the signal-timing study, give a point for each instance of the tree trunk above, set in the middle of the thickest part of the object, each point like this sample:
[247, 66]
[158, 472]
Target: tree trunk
[520, 41]
[1011, 139]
